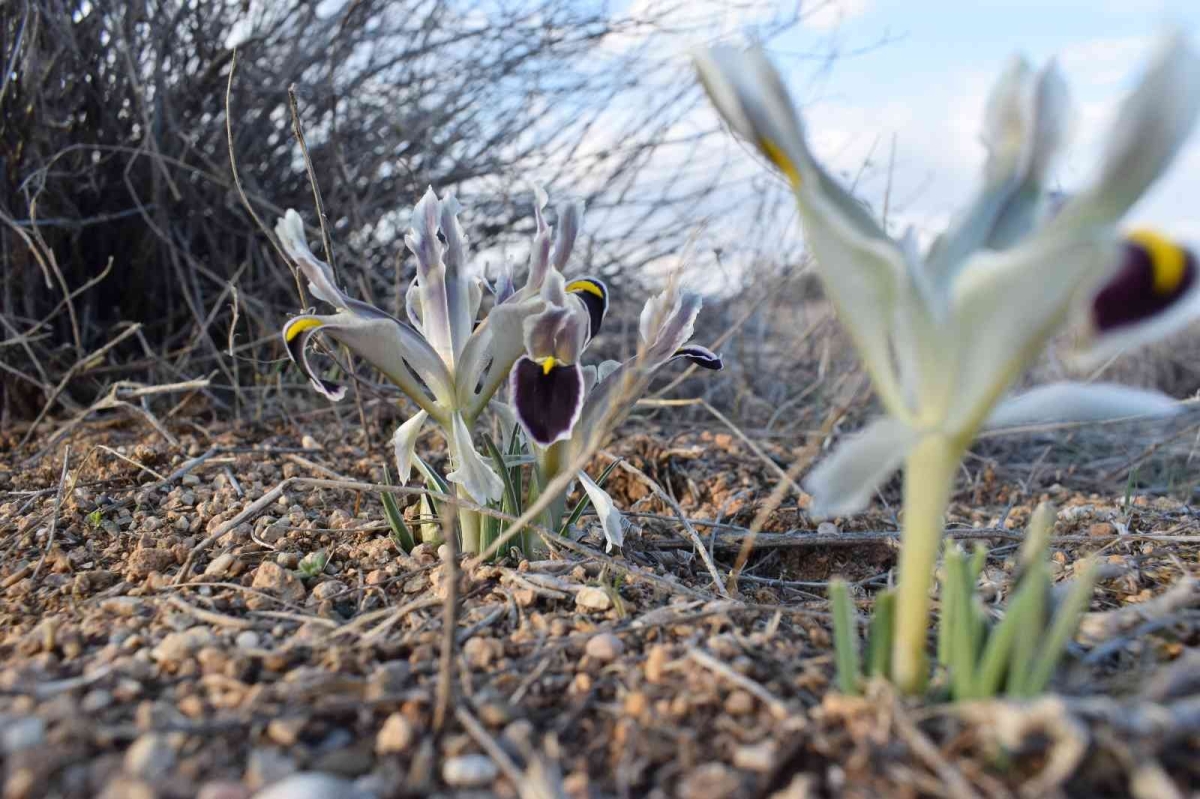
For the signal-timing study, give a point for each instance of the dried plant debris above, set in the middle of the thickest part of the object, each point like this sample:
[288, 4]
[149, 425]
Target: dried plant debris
[193, 629]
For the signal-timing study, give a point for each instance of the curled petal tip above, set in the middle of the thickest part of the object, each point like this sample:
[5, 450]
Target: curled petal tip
[700, 356]
[593, 293]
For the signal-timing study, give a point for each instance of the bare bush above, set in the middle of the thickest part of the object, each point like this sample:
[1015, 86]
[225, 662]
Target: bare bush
[118, 205]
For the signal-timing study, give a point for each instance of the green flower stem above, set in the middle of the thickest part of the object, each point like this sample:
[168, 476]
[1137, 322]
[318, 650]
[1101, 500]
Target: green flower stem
[551, 461]
[928, 478]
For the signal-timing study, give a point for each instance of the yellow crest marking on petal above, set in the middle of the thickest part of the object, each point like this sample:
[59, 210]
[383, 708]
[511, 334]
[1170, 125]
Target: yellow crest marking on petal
[591, 287]
[776, 155]
[300, 325]
[1167, 259]
[547, 364]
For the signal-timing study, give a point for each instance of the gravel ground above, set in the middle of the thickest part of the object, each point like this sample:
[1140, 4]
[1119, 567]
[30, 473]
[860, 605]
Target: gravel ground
[167, 630]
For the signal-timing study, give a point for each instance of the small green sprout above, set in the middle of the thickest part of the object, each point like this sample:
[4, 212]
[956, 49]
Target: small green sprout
[977, 658]
[312, 564]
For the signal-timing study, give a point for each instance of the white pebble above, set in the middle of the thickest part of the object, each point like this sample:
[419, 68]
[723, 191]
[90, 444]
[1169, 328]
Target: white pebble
[312, 785]
[593, 598]
[24, 733]
[247, 639]
[604, 647]
[468, 771]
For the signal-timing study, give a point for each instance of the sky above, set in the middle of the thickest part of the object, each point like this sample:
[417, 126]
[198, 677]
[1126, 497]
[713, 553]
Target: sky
[870, 75]
[920, 70]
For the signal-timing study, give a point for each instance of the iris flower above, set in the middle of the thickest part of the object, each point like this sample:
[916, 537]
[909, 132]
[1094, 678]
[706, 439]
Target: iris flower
[445, 359]
[944, 334]
[452, 364]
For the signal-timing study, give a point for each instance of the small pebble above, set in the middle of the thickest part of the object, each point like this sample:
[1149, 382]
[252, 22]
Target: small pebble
[177, 647]
[592, 598]
[396, 735]
[328, 590]
[277, 581]
[739, 703]
[95, 701]
[758, 757]
[656, 664]
[247, 639]
[285, 731]
[223, 790]
[469, 771]
[480, 651]
[150, 757]
[219, 566]
[266, 766]
[604, 647]
[24, 733]
[312, 785]
[710, 781]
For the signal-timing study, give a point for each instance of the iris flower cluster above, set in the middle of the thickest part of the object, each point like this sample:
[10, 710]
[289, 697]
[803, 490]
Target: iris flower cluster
[454, 364]
[945, 333]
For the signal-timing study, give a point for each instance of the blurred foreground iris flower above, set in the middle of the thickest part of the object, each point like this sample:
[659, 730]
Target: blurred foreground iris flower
[945, 333]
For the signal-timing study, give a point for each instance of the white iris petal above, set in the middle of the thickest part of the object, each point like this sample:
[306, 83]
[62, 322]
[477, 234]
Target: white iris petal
[845, 481]
[1080, 402]
[470, 469]
[404, 442]
[611, 519]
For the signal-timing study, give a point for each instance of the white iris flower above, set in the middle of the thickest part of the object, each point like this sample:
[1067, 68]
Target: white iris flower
[945, 333]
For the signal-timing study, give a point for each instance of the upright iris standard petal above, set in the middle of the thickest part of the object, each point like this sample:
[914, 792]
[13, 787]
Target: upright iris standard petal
[504, 286]
[471, 471]
[592, 292]
[844, 482]
[675, 330]
[611, 520]
[547, 398]
[490, 352]
[404, 442]
[463, 291]
[570, 219]
[539, 253]
[1149, 131]
[1024, 128]
[422, 241]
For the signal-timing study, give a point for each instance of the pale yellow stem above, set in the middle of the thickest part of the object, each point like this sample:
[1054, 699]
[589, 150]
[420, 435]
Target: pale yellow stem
[468, 523]
[928, 478]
